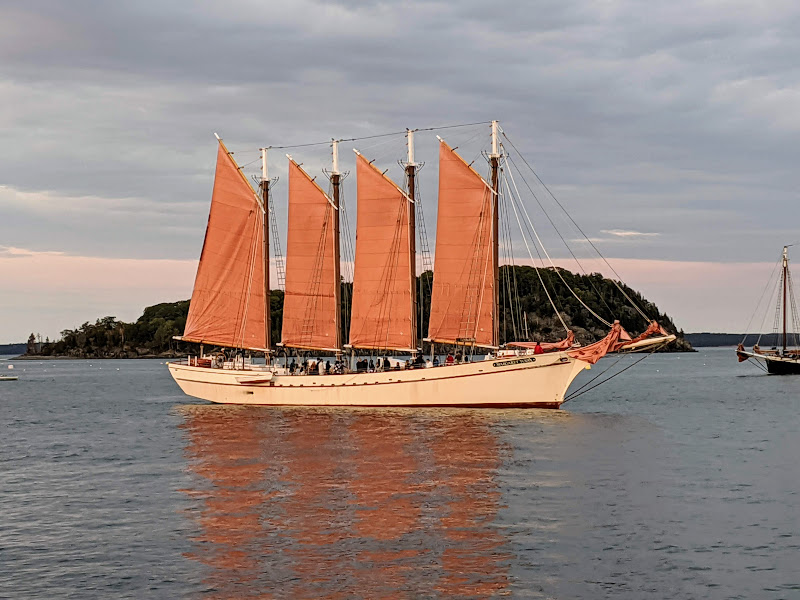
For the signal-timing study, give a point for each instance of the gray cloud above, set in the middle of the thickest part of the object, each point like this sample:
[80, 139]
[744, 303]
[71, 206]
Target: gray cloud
[677, 119]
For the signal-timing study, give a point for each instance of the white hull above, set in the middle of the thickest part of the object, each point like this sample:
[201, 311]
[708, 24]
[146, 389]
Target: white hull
[525, 381]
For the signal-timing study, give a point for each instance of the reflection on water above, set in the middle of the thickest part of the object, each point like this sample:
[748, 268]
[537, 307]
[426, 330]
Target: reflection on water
[313, 503]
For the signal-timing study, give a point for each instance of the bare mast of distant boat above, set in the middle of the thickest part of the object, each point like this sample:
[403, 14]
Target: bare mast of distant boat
[787, 360]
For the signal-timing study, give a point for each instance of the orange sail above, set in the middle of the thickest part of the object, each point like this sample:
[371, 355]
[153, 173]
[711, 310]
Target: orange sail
[462, 304]
[594, 352]
[384, 275]
[227, 307]
[310, 317]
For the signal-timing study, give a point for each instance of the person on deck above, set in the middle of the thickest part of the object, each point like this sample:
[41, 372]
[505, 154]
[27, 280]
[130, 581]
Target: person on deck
[538, 349]
[386, 365]
[449, 360]
[327, 367]
[292, 367]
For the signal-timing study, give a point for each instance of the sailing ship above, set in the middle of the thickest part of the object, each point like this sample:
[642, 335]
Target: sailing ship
[786, 359]
[230, 304]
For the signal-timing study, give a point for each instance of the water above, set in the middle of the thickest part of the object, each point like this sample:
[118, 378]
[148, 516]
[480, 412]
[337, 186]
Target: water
[678, 479]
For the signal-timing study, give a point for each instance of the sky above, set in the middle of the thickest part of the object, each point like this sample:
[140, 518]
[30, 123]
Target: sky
[667, 130]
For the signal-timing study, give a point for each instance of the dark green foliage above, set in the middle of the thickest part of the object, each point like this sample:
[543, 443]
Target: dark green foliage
[276, 314]
[602, 295]
[152, 334]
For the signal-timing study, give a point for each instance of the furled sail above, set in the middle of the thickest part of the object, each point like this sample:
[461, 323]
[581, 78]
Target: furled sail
[462, 304]
[384, 272]
[310, 317]
[227, 307]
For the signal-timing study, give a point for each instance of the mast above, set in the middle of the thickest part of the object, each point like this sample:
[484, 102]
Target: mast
[411, 172]
[785, 283]
[494, 163]
[265, 249]
[337, 279]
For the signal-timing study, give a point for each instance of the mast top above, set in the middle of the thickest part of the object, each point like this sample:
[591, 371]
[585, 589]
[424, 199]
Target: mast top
[335, 157]
[494, 153]
[410, 137]
[264, 171]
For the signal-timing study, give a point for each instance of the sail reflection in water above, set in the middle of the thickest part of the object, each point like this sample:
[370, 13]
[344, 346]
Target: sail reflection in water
[314, 503]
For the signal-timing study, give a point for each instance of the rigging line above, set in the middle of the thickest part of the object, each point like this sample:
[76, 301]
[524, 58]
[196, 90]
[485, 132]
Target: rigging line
[379, 135]
[566, 245]
[469, 140]
[775, 289]
[777, 308]
[506, 287]
[550, 260]
[250, 163]
[793, 306]
[509, 248]
[573, 396]
[347, 296]
[516, 315]
[600, 374]
[533, 262]
[579, 229]
[764, 291]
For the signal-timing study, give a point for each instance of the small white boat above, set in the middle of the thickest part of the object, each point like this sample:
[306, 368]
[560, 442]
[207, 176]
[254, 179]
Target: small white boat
[8, 377]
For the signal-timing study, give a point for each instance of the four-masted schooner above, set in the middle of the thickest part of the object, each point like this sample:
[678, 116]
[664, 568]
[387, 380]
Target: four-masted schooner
[785, 361]
[230, 301]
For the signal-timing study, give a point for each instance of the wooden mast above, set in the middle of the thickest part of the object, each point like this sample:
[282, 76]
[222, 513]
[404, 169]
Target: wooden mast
[265, 250]
[336, 179]
[785, 282]
[494, 163]
[411, 171]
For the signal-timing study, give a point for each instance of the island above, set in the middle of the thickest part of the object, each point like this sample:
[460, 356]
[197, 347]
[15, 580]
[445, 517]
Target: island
[152, 334]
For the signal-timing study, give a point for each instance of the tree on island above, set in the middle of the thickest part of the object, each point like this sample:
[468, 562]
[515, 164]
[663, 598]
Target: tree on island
[153, 333]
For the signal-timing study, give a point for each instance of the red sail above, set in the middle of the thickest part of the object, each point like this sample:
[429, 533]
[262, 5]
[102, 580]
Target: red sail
[309, 305]
[594, 352]
[227, 307]
[382, 316]
[462, 304]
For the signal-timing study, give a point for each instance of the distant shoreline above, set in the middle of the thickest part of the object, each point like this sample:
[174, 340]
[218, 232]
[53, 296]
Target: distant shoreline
[710, 340]
[62, 357]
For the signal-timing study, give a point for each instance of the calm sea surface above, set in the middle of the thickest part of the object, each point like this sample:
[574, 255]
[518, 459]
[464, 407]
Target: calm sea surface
[678, 479]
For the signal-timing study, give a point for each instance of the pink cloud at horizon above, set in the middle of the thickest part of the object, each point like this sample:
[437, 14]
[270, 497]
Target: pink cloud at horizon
[47, 292]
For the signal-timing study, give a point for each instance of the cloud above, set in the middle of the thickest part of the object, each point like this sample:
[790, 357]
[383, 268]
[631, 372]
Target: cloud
[673, 119]
[46, 292]
[11, 252]
[622, 233]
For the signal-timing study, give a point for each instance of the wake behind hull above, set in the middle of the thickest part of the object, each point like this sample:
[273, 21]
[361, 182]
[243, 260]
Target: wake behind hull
[531, 382]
